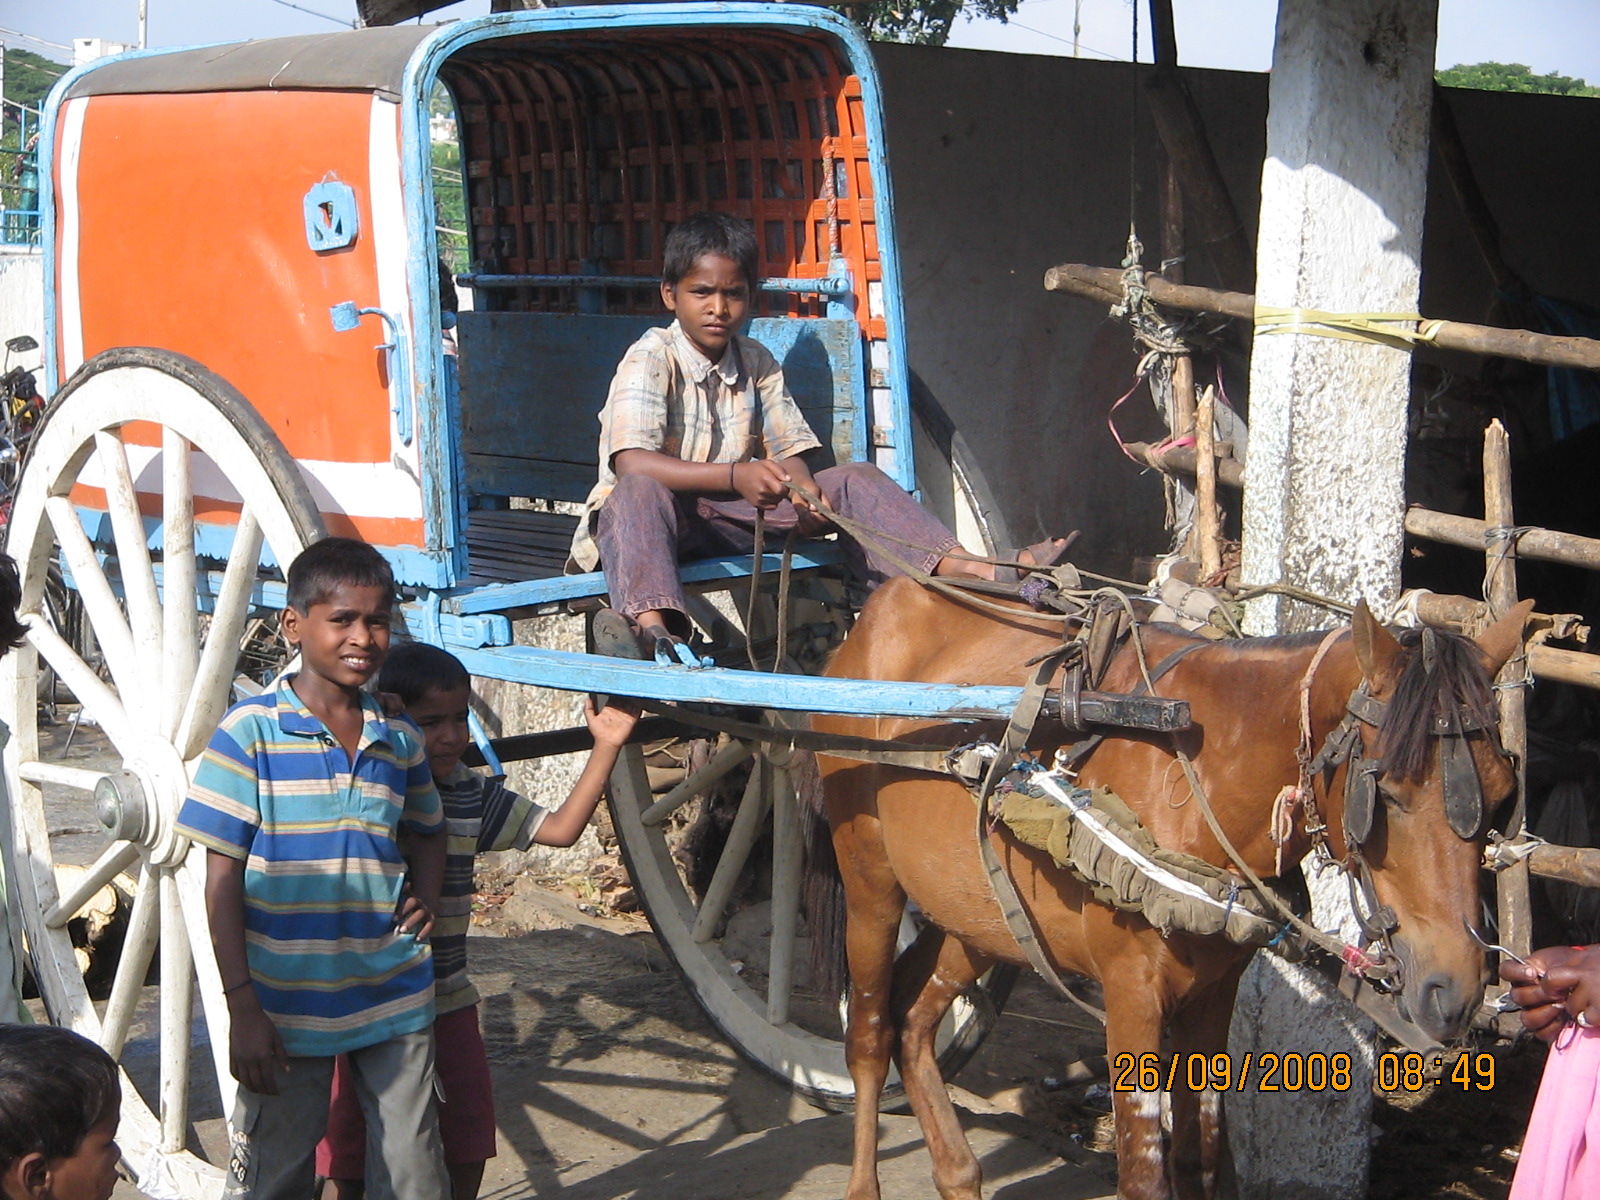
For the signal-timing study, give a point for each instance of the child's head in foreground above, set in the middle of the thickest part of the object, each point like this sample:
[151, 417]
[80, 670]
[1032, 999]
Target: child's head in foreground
[436, 691]
[59, 1104]
[709, 272]
[341, 593]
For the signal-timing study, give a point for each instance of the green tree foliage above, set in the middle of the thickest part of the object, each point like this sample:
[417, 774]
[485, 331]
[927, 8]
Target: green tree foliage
[29, 78]
[924, 22]
[1513, 77]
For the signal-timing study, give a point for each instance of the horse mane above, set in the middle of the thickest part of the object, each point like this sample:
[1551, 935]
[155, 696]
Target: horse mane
[1453, 685]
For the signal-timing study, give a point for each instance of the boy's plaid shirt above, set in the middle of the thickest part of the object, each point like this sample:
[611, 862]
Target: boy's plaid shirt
[667, 396]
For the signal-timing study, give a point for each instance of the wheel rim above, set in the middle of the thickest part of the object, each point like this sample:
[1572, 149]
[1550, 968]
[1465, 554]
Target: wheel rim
[135, 420]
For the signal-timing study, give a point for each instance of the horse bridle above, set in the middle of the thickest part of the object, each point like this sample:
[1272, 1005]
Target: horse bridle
[1460, 783]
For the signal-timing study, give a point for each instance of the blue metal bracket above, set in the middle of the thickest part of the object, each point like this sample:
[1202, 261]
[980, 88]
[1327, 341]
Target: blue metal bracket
[346, 316]
[332, 221]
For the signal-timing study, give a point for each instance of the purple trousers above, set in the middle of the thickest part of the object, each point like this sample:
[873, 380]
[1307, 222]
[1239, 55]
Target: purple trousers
[644, 530]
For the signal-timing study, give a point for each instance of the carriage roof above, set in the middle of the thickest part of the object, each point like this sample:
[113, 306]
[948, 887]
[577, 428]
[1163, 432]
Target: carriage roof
[368, 60]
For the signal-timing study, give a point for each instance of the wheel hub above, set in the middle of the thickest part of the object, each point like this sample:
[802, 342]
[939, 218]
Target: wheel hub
[149, 791]
[122, 805]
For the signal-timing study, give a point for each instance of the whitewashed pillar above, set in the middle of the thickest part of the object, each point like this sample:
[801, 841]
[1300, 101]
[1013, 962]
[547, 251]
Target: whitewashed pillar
[1342, 196]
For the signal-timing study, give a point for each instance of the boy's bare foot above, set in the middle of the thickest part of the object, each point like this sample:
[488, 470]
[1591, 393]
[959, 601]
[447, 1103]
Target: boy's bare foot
[1048, 553]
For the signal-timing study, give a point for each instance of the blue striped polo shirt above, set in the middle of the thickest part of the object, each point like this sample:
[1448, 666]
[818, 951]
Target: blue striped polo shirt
[323, 873]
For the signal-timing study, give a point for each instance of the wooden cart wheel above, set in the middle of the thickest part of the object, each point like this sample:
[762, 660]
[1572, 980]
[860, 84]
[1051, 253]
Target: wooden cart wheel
[132, 421]
[755, 1004]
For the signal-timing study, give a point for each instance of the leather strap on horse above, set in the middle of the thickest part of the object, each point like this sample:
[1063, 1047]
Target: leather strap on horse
[1018, 729]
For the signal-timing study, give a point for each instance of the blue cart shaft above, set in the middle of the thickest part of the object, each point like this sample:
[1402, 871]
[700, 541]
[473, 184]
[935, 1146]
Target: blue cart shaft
[714, 685]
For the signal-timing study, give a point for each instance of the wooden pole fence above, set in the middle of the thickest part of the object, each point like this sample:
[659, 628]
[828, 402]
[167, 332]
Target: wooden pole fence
[1104, 285]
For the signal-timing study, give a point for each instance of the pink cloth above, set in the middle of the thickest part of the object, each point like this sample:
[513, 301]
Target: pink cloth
[1561, 1153]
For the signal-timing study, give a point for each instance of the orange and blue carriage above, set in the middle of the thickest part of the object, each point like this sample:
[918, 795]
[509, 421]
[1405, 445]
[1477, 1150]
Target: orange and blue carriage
[248, 346]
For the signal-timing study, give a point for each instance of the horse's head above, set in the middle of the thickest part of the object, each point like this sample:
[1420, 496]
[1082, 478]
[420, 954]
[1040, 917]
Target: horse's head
[1418, 808]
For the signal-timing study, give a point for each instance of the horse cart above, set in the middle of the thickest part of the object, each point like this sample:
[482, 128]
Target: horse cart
[248, 348]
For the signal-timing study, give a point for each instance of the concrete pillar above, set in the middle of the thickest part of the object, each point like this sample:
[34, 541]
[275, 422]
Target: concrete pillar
[1342, 196]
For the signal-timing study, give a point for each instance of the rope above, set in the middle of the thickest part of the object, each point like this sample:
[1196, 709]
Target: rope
[1378, 328]
[960, 594]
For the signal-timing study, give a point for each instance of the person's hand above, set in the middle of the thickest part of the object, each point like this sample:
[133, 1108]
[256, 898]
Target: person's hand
[613, 724]
[390, 703]
[414, 917]
[255, 1049]
[763, 482]
[810, 520]
[1556, 985]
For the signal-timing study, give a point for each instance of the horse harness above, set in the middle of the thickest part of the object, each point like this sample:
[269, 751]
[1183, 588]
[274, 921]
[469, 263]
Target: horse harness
[1345, 745]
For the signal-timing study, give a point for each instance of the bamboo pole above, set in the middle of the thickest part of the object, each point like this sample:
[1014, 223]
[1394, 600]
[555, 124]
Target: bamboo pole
[1207, 520]
[1546, 545]
[1565, 666]
[1182, 414]
[1104, 285]
[1183, 460]
[1500, 587]
[1573, 864]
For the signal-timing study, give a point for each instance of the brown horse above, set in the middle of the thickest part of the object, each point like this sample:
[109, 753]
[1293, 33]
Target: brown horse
[900, 834]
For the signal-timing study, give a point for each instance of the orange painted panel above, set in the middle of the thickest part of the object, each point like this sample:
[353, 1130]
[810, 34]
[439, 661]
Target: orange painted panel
[193, 240]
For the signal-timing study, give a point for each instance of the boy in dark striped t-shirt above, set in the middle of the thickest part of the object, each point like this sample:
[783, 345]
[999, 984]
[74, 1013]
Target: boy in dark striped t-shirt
[480, 815]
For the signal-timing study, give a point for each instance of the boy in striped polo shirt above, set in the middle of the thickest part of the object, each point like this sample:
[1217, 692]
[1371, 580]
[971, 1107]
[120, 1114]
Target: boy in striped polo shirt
[481, 815]
[318, 918]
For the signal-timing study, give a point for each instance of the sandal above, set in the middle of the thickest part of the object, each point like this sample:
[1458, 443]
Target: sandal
[672, 651]
[613, 635]
[1046, 554]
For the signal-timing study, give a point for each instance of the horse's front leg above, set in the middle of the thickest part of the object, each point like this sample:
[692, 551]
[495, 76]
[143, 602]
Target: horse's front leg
[875, 906]
[1135, 1016]
[1200, 1163]
[929, 976]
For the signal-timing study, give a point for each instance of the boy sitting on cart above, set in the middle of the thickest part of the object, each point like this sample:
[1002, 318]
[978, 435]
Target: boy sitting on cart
[699, 433]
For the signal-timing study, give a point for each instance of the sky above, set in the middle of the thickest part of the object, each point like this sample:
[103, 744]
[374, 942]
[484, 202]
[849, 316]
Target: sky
[1548, 35]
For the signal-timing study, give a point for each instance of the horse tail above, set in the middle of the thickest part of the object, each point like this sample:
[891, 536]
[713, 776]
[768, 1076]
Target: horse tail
[823, 896]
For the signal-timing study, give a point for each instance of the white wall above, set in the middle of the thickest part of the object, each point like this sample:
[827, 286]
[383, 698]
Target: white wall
[21, 295]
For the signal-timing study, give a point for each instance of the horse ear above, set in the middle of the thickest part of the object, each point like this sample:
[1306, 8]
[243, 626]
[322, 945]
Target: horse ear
[1377, 652]
[1503, 639]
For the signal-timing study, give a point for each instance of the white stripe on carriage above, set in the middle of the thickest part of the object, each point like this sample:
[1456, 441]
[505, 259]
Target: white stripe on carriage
[389, 246]
[355, 489]
[69, 313]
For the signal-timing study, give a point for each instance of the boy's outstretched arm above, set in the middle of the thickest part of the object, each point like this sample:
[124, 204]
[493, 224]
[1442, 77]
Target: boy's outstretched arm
[254, 1045]
[611, 727]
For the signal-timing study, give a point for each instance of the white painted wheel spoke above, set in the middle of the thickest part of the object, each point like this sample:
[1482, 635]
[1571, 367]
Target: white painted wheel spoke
[742, 838]
[208, 696]
[180, 623]
[113, 860]
[138, 947]
[177, 1017]
[92, 691]
[787, 863]
[37, 771]
[100, 603]
[133, 554]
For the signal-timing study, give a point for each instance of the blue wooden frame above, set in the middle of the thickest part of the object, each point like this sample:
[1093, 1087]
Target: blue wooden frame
[440, 443]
